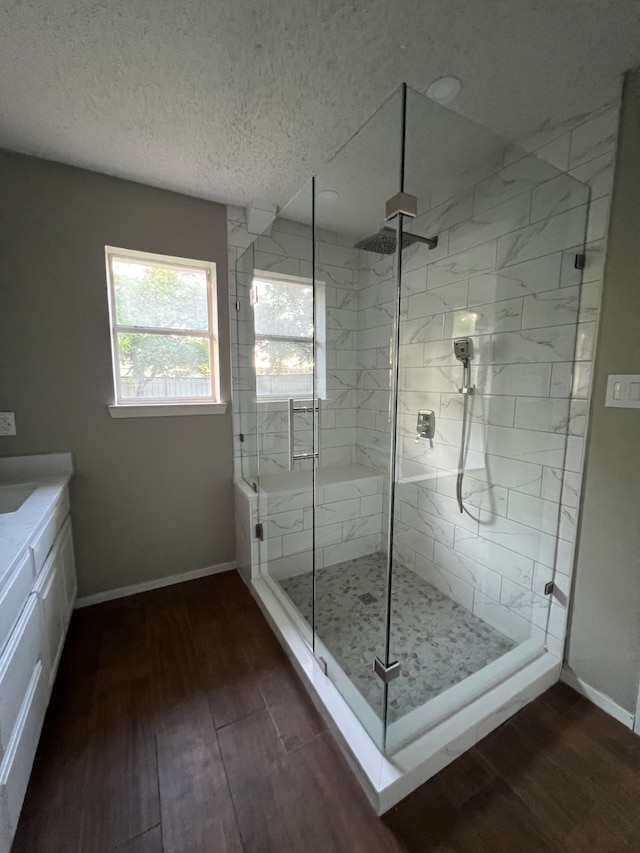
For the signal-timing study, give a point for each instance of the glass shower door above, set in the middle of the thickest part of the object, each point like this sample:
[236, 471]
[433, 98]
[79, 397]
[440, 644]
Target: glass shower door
[487, 341]
[355, 286]
[281, 300]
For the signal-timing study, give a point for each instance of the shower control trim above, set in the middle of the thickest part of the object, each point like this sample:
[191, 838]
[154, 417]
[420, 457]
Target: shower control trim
[426, 423]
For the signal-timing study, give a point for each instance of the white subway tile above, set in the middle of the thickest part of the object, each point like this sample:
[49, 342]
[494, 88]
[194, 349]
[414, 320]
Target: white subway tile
[551, 308]
[543, 237]
[464, 265]
[296, 543]
[360, 547]
[490, 223]
[429, 379]
[503, 619]
[585, 341]
[554, 343]
[542, 514]
[475, 494]
[449, 584]
[483, 408]
[516, 379]
[557, 195]
[532, 607]
[533, 544]
[575, 448]
[542, 413]
[425, 523]
[582, 372]
[541, 448]
[594, 138]
[561, 376]
[419, 330]
[556, 152]
[468, 570]
[484, 319]
[506, 562]
[409, 537]
[598, 219]
[533, 276]
[363, 526]
[598, 174]
[449, 213]
[414, 281]
[510, 473]
[515, 179]
[446, 508]
[437, 301]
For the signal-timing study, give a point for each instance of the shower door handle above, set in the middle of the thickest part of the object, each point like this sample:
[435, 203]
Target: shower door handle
[293, 409]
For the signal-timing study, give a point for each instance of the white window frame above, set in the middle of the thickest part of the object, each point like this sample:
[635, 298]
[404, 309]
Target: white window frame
[164, 405]
[317, 340]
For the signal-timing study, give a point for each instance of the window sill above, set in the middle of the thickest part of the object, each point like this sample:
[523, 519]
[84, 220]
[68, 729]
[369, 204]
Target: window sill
[166, 410]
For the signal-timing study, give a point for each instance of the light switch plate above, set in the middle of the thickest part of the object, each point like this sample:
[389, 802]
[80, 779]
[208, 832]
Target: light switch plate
[7, 423]
[623, 391]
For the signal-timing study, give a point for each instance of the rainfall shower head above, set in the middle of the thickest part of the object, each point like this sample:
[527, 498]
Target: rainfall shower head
[384, 241]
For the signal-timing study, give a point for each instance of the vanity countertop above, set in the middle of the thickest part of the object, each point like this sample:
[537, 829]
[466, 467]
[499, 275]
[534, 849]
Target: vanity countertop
[48, 475]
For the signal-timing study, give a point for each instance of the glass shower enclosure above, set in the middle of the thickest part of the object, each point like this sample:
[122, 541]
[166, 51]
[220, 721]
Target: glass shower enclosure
[408, 332]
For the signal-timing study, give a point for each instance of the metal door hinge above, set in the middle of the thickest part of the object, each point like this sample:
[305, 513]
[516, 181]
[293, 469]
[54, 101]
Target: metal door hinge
[260, 532]
[237, 304]
[580, 261]
[548, 588]
[386, 673]
[241, 436]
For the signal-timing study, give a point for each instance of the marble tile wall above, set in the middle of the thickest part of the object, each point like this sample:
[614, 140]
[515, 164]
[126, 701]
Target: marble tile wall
[265, 426]
[348, 522]
[504, 274]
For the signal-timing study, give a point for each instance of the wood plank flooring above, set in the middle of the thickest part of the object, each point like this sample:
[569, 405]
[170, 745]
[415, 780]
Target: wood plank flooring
[177, 725]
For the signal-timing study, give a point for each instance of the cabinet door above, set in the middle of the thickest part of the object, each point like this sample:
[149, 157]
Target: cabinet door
[21, 654]
[69, 568]
[18, 759]
[51, 593]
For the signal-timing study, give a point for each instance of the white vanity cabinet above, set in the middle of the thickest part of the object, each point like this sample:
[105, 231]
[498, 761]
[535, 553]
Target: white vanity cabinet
[36, 601]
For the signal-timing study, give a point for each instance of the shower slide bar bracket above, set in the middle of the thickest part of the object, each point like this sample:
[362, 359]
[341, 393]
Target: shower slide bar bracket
[293, 410]
[386, 673]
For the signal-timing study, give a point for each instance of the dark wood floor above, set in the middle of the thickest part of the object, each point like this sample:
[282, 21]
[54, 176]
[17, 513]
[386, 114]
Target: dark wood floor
[177, 725]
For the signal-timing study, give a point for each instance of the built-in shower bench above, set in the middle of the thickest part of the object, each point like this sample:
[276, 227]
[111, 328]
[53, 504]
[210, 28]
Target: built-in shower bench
[348, 518]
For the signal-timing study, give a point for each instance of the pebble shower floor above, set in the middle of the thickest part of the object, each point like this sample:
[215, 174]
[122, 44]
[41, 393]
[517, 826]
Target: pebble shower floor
[438, 642]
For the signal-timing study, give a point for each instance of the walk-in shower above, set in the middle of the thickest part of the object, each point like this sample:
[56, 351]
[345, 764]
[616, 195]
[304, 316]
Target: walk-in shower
[401, 411]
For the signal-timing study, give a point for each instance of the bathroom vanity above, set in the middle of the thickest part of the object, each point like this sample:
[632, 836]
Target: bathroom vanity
[37, 596]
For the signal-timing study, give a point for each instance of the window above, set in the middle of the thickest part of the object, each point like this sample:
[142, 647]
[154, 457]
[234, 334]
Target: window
[283, 312]
[163, 328]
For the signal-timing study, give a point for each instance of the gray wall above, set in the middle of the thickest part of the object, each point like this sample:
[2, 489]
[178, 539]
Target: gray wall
[604, 642]
[152, 496]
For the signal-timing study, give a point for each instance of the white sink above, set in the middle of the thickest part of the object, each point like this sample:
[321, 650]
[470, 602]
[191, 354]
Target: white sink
[12, 497]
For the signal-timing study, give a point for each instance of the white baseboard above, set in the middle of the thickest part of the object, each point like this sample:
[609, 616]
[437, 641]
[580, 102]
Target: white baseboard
[601, 700]
[121, 592]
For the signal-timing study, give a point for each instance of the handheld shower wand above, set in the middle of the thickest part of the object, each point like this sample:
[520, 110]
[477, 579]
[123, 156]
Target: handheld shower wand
[463, 351]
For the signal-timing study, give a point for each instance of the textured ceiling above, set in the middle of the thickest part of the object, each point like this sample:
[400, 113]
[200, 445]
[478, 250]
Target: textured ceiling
[232, 100]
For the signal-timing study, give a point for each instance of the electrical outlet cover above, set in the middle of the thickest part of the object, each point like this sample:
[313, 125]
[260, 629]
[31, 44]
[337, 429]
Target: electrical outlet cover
[7, 423]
